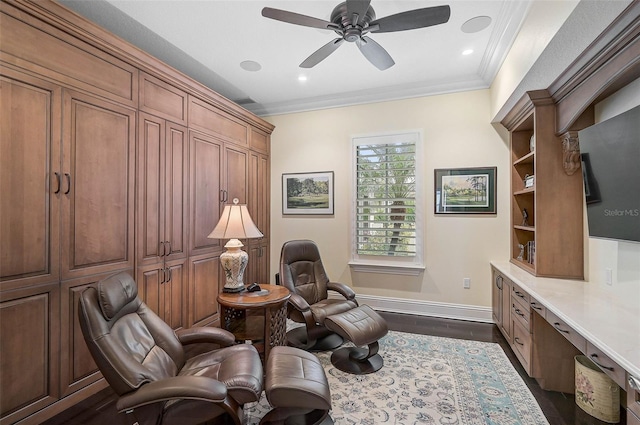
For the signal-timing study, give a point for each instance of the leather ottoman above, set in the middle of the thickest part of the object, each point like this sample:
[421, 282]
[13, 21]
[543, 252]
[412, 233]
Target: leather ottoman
[362, 326]
[297, 388]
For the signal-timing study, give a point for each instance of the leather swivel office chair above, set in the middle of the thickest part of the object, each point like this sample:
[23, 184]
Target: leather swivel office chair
[302, 272]
[146, 364]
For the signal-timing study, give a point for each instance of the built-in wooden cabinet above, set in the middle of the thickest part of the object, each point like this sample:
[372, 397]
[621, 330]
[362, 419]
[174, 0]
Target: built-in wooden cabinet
[205, 283]
[31, 180]
[110, 161]
[501, 303]
[30, 347]
[97, 186]
[546, 201]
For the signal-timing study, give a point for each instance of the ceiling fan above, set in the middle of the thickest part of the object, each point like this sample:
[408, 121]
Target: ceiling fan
[353, 19]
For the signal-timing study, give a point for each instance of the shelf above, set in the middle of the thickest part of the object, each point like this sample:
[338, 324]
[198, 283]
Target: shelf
[523, 264]
[525, 191]
[525, 228]
[527, 159]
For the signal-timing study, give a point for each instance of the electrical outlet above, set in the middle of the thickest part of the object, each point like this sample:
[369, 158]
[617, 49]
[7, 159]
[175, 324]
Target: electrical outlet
[466, 283]
[608, 276]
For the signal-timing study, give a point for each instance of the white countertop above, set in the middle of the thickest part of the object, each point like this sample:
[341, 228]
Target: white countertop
[608, 318]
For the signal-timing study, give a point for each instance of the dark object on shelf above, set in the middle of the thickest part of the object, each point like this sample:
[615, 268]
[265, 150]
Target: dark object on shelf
[525, 217]
[254, 287]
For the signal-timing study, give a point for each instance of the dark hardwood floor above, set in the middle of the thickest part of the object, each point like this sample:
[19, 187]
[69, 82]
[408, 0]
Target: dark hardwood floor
[559, 408]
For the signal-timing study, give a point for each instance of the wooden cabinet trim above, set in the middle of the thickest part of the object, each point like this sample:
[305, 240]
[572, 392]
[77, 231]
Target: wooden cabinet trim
[162, 99]
[93, 70]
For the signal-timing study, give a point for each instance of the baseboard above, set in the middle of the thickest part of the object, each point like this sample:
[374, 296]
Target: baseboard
[426, 308]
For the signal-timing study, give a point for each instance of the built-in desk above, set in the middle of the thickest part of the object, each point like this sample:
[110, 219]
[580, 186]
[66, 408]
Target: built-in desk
[600, 321]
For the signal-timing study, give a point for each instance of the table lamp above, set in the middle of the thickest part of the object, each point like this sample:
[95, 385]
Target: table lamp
[235, 223]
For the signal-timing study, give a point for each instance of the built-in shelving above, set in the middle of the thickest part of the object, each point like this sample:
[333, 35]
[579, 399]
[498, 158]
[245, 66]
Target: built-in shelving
[546, 217]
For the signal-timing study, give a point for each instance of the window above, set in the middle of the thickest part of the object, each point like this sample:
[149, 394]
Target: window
[387, 225]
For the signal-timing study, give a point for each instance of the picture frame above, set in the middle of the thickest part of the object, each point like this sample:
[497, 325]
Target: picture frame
[307, 193]
[465, 190]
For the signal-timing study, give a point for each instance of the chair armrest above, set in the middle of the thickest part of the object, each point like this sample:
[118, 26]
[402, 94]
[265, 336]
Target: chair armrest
[343, 289]
[178, 387]
[206, 335]
[299, 303]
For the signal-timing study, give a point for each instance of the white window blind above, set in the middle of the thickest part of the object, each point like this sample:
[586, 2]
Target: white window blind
[385, 204]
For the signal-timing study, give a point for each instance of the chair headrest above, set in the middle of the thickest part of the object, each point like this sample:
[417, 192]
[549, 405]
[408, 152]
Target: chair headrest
[299, 250]
[115, 292]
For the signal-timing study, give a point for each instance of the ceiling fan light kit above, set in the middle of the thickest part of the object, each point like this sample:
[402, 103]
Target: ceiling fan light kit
[353, 19]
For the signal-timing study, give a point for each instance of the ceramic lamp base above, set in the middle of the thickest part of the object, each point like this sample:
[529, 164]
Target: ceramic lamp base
[234, 262]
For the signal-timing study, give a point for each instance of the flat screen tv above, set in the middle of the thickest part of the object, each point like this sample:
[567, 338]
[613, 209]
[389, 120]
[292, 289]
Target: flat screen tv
[610, 153]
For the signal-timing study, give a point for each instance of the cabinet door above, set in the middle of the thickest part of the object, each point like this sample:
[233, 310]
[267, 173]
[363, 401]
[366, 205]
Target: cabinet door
[258, 266]
[30, 350]
[505, 324]
[236, 174]
[77, 368]
[205, 283]
[176, 205]
[150, 187]
[98, 186]
[259, 194]
[205, 157]
[163, 288]
[29, 181]
[162, 189]
[496, 298]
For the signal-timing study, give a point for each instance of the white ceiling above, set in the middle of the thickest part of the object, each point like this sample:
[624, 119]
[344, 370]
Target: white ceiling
[208, 40]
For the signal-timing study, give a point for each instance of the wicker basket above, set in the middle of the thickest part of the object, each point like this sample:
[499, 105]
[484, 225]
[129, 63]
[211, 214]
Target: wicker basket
[596, 393]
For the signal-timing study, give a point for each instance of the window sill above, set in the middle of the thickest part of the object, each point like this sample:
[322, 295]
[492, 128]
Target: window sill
[398, 269]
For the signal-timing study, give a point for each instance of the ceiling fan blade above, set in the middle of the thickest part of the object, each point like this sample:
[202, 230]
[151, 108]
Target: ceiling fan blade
[322, 53]
[357, 7]
[412, 19]
[375, 53]
[297, 19]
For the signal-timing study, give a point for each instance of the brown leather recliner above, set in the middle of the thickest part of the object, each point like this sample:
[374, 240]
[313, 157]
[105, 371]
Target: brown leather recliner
[145, 361]
[302, 272]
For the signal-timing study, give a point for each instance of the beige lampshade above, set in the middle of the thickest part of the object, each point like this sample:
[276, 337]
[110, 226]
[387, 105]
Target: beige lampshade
[235, 223]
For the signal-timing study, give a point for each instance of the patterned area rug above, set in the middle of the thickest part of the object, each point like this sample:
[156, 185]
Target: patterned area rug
[428, 380]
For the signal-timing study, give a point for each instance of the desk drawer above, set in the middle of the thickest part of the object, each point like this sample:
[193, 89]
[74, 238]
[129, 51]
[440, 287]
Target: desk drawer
[608, 366]
[537, 307]
[633, 398]
[522, 345]
[517, 292]
[565, 330]
[520, 314]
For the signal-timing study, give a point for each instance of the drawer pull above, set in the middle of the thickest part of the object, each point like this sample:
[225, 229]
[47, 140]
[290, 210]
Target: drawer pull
[634, 383]
[517, 341]
[535, 305]
[557, 326]
[520, 294]
[593, 359]
[518, 312]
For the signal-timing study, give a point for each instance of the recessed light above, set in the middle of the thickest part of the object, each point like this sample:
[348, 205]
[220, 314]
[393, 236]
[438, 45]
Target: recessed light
[302, 78]
[251, 66]
[476, 24]
[467, 52]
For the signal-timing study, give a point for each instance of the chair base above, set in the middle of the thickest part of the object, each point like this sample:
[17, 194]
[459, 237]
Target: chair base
[297, 337]
[293, 417]
[357, 361]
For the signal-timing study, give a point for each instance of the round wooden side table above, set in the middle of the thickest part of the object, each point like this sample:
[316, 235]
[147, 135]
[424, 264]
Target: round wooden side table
[259, 317]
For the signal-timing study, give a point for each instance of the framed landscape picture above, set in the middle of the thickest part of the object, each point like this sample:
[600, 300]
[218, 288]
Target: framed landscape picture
[465, 191]
[307, 193]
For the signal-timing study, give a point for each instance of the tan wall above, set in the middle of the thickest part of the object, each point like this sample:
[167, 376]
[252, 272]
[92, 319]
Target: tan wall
[456, 133]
